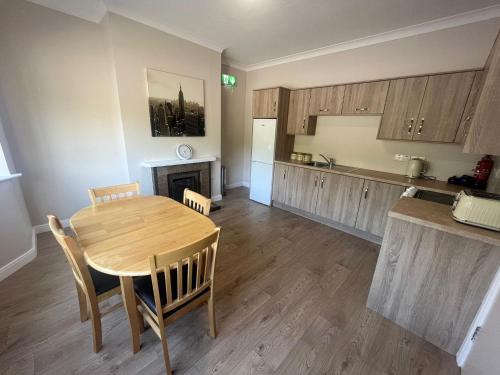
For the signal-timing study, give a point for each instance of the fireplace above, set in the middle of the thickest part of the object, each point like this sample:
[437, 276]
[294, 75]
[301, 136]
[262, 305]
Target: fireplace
[170, 181]
[177, 182]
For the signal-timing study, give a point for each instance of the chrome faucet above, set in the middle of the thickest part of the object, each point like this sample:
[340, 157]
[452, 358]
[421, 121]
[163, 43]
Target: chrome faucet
[330, 161]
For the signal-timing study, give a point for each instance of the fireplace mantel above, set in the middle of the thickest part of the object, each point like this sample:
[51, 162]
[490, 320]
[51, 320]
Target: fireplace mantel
[166, 163]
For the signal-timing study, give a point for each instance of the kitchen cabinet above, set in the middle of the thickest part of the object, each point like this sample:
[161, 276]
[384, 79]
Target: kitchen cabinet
[484, 134]
[279, 183]
[442, 107]
[326, 100]
[302, 188]
[299, 121]
[401, 108]
[338, 198]
[265, 103]
[376, 201]
[365, 98]
[470, 108]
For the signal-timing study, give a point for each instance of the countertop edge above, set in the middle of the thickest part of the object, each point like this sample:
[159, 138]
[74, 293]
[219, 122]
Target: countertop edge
[453, 227]
[412, 182]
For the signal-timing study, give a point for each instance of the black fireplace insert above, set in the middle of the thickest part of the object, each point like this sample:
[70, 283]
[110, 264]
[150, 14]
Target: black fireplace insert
[177, 182]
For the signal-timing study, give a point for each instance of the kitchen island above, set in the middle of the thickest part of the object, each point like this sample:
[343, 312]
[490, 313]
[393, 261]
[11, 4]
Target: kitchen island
[433, 272]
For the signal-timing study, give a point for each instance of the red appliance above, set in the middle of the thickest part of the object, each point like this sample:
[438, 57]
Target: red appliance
[482, 171]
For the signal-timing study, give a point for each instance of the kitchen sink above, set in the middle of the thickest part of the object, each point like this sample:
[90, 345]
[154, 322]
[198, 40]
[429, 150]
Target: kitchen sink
[433, 196]
[318, 164]
[338, 168]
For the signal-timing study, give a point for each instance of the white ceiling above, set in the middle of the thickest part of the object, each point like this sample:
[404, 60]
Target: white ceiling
[255, 31]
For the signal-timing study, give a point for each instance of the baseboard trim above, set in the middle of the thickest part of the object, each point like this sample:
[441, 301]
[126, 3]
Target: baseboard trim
[217, 197]
[20, 261]
[235, 185]
[489, 300]
[333, 224]
[42, 228]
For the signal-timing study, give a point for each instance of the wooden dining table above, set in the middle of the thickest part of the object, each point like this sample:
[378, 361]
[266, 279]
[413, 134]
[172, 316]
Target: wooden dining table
[117, 237]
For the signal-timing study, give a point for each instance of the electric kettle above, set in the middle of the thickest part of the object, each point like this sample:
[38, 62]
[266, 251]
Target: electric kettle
[415, 168]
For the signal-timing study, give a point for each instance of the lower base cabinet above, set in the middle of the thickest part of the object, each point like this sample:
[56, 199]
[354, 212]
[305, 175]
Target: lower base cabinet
[279, 183]
[338, 198]
[302, 189]
[350, 201]
[376, 201]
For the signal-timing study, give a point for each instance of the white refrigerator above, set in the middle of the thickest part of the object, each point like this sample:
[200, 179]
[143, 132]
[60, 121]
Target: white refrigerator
[261, 172]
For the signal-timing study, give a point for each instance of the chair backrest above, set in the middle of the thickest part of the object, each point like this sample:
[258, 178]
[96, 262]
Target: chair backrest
[197, 202]
[110, 193]
[74, 255]
[199, 259]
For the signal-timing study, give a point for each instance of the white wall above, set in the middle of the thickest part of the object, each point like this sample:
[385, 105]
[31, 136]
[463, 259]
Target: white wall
[15, 225]
[74, 103]
[137, 47]
[233, 127]
[59, 110]
[352, 140]
[484, 359]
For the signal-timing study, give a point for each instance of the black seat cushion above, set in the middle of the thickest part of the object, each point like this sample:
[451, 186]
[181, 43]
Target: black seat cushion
[144, 288]
[102, 281]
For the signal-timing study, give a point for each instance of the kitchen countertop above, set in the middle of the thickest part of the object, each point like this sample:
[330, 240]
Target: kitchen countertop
[438, 216]
[390, 178]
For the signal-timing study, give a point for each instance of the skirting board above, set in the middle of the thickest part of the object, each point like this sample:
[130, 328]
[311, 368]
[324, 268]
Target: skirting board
[235, 185]
[489, 299]
[344, 228]
[20, 261]
[42, 228]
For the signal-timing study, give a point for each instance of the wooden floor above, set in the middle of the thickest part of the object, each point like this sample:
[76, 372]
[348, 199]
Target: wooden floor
[290, 299]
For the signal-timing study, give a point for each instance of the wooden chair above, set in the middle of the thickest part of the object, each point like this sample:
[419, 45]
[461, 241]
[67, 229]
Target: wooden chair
[110, 193]
[180, 281]
[92, 286]
[197, 202]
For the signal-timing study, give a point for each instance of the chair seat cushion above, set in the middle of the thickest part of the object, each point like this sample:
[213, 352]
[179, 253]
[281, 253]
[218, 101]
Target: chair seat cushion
[103, 282]
[144, 288]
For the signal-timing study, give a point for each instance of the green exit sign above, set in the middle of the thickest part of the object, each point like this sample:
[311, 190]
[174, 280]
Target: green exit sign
[228, 80]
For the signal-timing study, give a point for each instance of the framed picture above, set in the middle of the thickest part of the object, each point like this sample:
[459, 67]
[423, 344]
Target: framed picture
[176, 105]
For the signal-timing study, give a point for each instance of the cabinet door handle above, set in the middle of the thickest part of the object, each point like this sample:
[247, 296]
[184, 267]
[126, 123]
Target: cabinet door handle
[304, 124]
[366, 192]
[323, 109]
[284, 175]
[362, 109]
[421, 127]
[315, 181]
[322, 182]
[274, 107]
[410, 127]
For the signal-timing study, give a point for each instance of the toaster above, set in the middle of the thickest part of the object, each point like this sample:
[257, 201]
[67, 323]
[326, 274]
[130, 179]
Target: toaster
[477, 208]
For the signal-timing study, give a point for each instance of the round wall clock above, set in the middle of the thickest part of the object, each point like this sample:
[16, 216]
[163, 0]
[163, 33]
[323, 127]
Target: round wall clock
[184, 151]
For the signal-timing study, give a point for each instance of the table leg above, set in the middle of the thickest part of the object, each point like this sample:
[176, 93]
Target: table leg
[129, 301]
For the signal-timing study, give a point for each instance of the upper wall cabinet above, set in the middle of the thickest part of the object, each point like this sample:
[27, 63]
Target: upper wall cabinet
[326, 100]
[484, 133]
[442, 107]
[470, 108]
[299, 121]
[365, 98]
[265, 103]
[402, 107]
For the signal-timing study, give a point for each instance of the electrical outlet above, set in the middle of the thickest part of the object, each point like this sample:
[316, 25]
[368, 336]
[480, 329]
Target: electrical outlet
[401, 157]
